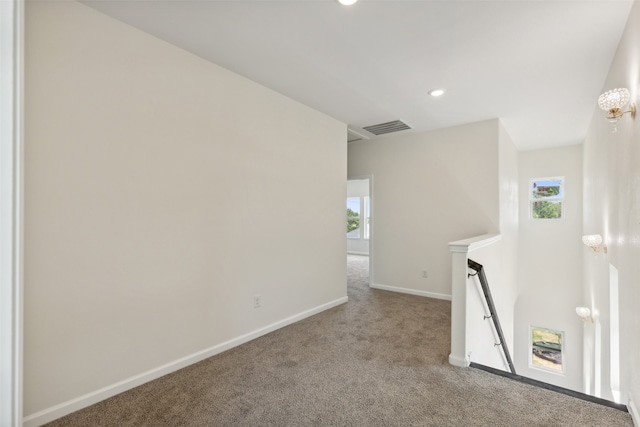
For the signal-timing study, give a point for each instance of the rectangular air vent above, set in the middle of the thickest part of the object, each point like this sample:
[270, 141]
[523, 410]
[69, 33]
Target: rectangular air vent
[388, 127]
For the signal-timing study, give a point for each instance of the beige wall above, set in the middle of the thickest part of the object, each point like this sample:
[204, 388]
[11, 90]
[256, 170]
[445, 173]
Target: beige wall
[429, 189]
[612, 209]
[162, 193]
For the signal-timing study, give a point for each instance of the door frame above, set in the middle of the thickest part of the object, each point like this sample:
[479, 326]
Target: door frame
[371, 221]
[11, 210]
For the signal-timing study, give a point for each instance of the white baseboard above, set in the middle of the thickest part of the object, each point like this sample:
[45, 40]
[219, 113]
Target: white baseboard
[462, 362]
[65, 408]
[411, 291]
[633, 410]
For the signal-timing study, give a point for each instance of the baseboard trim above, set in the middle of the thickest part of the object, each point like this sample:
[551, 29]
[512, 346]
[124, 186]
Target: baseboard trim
[555, 388]
[461, 362]
[633, 411]
[65, 408]
[410, 291]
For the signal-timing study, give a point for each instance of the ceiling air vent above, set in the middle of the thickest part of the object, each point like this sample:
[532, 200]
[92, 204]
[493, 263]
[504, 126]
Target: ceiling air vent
[389, 127]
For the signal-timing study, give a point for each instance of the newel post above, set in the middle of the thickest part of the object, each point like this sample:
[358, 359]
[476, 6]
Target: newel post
[459, 355]
[460, 351]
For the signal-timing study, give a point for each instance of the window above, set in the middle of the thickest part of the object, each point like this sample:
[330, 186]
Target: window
[546, 197]
[367, 216]
[353, 217]
[355, 221]
[546, 349]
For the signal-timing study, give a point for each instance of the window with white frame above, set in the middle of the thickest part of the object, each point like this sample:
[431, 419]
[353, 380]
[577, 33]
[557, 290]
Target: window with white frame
[353, 217]
[546, 198]
[546, 349]
[367, 216]
[358, 217]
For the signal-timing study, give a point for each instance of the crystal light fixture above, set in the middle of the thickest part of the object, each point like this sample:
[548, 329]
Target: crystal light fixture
[612, 101]
[594, 241]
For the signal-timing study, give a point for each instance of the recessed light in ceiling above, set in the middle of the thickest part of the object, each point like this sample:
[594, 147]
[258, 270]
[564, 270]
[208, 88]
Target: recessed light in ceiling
[347, 2]
[436, 92]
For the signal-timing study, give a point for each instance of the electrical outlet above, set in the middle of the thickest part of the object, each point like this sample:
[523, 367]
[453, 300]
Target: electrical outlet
[425, 274]
[257, 301]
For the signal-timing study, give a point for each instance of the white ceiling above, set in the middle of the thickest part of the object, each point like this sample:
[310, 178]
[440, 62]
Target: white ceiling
[538, 65]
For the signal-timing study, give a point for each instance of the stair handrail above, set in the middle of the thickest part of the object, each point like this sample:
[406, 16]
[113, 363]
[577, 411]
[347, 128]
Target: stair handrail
[493, 314]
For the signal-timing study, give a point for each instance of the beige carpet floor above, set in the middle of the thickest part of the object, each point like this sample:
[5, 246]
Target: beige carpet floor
[379, 360]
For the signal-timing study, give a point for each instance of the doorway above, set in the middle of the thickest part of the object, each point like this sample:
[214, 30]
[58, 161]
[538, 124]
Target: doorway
[359, 208]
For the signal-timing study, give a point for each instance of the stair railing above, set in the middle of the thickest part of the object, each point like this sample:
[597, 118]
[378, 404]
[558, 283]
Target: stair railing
[493, 315]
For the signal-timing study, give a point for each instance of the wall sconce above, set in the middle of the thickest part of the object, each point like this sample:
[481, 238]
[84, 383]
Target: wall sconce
[585, 314]
[594, 241]
[612, 101]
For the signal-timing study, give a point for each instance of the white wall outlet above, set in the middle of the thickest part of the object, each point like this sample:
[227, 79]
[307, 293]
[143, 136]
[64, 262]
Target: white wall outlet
[425, 274]
[257, 301]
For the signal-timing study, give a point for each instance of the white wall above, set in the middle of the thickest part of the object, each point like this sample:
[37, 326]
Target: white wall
[550, 259]
[507, 268]
[499, 260]
[358, 188]
[145, 168]
[612, 209]
[481, 333]
[430, 189]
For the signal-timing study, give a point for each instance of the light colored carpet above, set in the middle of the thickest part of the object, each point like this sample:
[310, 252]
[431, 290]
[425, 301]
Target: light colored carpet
[379, 360]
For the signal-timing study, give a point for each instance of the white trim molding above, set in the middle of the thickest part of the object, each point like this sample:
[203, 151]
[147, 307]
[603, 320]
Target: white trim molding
[89, 399]
[474, 243]
[411, 291]
[11, 185]
[463, 362]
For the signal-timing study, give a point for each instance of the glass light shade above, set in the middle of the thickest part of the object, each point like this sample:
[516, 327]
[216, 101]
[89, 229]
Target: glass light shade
[614, 98]
[347, 2]
[583, 312]
[592, 240]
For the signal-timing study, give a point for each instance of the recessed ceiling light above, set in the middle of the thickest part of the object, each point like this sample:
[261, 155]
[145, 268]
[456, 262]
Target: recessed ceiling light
[436, 92]
[347, 2]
